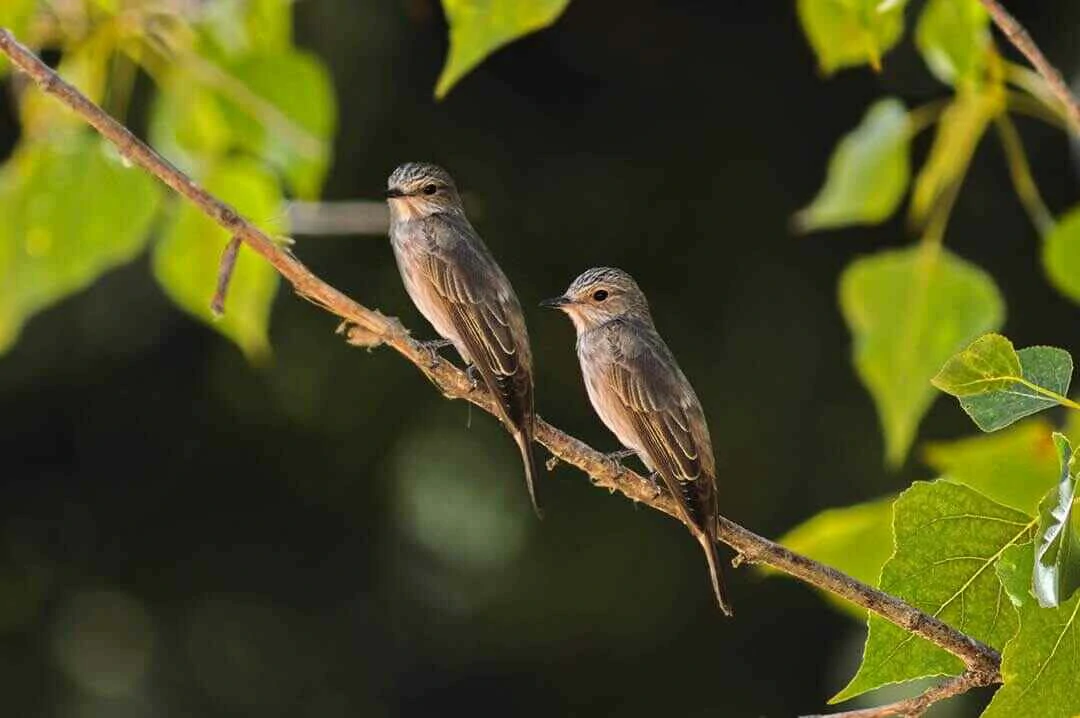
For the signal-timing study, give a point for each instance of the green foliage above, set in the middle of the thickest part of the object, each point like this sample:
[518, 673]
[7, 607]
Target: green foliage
[479, 27]
[908, 311]
[1039, 665]
[948, 539]
[868, 172]
[855, 539]
[953, 37]
[998, 385]
[71, 211]
[1056, 575]
[845, 33]
[15, 15]
[1015, 466]
[1061, 255]
[193, 240]
[1014, 570]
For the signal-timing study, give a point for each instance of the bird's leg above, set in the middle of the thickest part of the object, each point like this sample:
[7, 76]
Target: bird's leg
[616, 457]
[432, 347]
[474, 376]
[654, 479]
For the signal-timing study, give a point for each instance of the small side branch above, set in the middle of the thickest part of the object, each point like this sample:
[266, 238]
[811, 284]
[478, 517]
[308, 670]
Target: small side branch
[224, 277]
[1021, 39]
[367, 327]
[914, 707]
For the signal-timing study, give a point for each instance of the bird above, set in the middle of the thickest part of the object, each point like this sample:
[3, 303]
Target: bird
[455, 282]
[642, 396]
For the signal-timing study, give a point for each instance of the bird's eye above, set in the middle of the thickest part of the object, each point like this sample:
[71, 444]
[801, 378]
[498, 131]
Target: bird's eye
[600, 295]
[430, 189]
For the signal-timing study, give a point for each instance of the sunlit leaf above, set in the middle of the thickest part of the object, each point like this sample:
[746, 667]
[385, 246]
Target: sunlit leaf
[960, 128]
[85, 67]
[15, 15]
[1014, 570]
[844, 33]
[479, 27]
[868, 172]
[1061, 255]
[1015, 466]
[241, 27]
[1039, 665]
[71, 211]
[188, 125]
[854, 539]
[909, 310]
[186, 257]
[954, 39]
[948, 539]
[997, 385]
[1057, 549]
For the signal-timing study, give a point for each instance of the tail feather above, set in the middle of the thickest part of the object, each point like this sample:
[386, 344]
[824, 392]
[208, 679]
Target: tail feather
[528, 458]
[714, 573]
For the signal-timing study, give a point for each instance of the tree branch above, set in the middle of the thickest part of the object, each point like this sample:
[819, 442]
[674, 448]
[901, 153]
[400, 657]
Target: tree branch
[914, 707]
[367, 327]
[1021, 39]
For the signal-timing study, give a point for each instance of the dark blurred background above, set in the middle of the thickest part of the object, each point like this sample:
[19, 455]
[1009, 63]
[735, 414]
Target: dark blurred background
[184, 534]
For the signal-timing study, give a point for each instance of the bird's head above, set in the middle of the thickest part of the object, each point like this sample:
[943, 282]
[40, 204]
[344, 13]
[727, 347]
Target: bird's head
[419, 189]
[600, 295]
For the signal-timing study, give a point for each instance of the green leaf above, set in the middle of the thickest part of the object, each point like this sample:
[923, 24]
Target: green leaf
[1056, 575]
[1014, 570]
[868, 172]
[997, 385]
[241, 27]
[15, 15]
[187, 256]
[1061, 255]
[1014, 467]
[71, 211]
[959, 130]
[1039, 665]
[953, 37]
[948, 539]
[854, 539]
[844, 33]
[909, 310]
[479, 27]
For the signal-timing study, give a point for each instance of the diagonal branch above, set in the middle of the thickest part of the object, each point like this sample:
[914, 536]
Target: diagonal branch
[367, 327]
[916, 706]
[1021, 39]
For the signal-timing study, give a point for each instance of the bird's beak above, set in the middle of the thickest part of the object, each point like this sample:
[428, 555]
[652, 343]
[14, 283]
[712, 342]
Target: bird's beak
[556, 302]
[394, 192]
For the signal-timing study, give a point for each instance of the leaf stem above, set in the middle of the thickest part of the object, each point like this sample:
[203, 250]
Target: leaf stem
[1049, 394]
[1020, 172]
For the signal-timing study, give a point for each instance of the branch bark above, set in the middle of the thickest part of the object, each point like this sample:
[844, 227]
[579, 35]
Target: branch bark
[914, 707]
[367, 327]
[1021, 40]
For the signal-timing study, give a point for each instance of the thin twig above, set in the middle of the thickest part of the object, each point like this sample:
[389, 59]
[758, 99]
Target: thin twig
[225, 272]
[914, 707]
[981, 660]
[1020, 172]
[1020, 39]
[365, 217]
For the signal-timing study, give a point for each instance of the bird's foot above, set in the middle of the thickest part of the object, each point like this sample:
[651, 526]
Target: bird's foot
[615, 459]
[432, 347]
[473, 375]
[655, 479]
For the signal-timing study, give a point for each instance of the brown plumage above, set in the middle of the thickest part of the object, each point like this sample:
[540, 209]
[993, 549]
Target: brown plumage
[456, 284]
[640, 393]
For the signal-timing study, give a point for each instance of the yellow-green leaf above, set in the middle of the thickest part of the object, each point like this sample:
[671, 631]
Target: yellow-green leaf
[1056, 574]
[186, 258]
[1039, 665]
[15, 15]
[71, 211]
[1061, 255]
[909, 310]
[854, 539]
[844, 33]
[1015, 466]
[997, 385]
[479, 27]
[948, 539]
[953, 37]
[868, 172]
[1014, 570]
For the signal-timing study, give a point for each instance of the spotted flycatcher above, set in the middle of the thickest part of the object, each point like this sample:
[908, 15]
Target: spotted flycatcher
[642, 396]
[456, 284]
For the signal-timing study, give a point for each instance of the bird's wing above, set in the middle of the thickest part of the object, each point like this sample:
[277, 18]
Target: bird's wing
[667, 417]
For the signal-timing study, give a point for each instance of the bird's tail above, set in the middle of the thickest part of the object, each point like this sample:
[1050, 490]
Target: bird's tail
[709, 545]
[528, 457]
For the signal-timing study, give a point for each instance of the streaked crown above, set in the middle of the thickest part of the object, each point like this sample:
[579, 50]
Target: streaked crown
[411, 177]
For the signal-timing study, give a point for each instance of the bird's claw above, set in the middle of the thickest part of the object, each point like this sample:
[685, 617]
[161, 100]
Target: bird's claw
[432, 347]
[654, 479]
[615, 459]
[473, 374]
